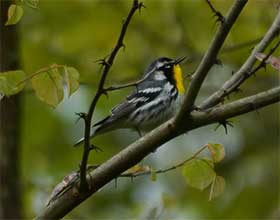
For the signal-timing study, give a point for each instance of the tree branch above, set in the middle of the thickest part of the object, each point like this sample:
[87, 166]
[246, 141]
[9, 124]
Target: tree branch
[118, 87]
[135, 152]
[210, 58]
[87, 117]
[239, 77]
[236, 108]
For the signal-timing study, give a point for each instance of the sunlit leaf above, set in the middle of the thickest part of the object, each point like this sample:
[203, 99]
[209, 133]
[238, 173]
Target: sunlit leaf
[15, 13]
[217, 187]
[217, 152]
[49, 87]
[198, 173]
[71, 79]
[10, 82]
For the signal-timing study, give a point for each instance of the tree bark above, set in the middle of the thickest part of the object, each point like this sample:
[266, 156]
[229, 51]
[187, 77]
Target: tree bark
[10, 187]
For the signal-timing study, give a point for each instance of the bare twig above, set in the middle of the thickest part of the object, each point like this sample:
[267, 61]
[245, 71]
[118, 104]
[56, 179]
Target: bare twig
[209, 58]
[238, 78]
[118, 87]
[218, 14]
[106, 67]
[129, 174]
[263, 62]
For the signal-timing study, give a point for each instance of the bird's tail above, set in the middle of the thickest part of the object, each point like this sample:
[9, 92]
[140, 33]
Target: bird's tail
[102, 127]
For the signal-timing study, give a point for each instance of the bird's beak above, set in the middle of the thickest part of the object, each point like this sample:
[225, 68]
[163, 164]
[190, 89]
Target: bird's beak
[179, 60]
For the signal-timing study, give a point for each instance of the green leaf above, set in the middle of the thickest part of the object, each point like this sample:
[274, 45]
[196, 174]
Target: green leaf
[153, 175]
[15, 13]
[10, 82]
[198, 173]
[49, 87]
[217, 152]
[208, 161]
[217, 187]
[72, 79]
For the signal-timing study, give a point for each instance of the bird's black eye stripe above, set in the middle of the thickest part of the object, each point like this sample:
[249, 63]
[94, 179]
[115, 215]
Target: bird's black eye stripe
[172, 90]
[165, 67]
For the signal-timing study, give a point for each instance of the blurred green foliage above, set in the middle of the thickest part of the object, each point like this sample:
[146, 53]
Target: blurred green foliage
[78, 32]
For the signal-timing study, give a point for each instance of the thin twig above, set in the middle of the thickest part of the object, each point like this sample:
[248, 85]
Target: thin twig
[218, 14]
[241, 75]
[118, 87]
[106, 63]
[263, 62]
[129, 174]
[209, 59]
[44, 69]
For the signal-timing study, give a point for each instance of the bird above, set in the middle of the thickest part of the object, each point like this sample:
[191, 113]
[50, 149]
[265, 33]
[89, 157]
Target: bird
[156, 98]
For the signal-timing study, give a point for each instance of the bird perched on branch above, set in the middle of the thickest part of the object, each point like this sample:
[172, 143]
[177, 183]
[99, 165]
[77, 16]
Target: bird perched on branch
[156, 99]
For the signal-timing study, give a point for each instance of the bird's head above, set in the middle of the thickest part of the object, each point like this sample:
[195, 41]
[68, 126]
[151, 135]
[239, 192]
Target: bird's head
[166, 68]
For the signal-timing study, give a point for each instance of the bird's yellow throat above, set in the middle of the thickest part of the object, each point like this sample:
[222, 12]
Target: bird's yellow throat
[177, 71]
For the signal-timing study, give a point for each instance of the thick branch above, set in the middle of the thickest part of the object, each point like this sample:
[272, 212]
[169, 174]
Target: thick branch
[135, 152]
[210, 57]
[236, 108]
[238, 78]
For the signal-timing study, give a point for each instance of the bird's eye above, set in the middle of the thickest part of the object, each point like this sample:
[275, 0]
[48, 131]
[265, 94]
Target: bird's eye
[167, 66]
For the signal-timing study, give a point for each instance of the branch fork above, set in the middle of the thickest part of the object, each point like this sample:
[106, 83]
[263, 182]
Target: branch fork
[187, 119]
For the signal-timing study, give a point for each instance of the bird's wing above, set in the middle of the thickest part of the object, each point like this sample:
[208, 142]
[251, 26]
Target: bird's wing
[138, 98]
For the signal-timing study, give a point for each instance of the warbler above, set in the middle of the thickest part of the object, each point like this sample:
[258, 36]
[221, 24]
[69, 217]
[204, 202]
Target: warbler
[155, 99]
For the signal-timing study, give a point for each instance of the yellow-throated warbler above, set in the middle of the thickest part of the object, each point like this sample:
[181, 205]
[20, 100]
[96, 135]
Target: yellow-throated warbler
[155, 100]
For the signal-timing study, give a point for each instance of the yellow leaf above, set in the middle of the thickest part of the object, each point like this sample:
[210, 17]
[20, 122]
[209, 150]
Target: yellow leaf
[217, 187]
[72, 79]
[49, 87]
[217, 152]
